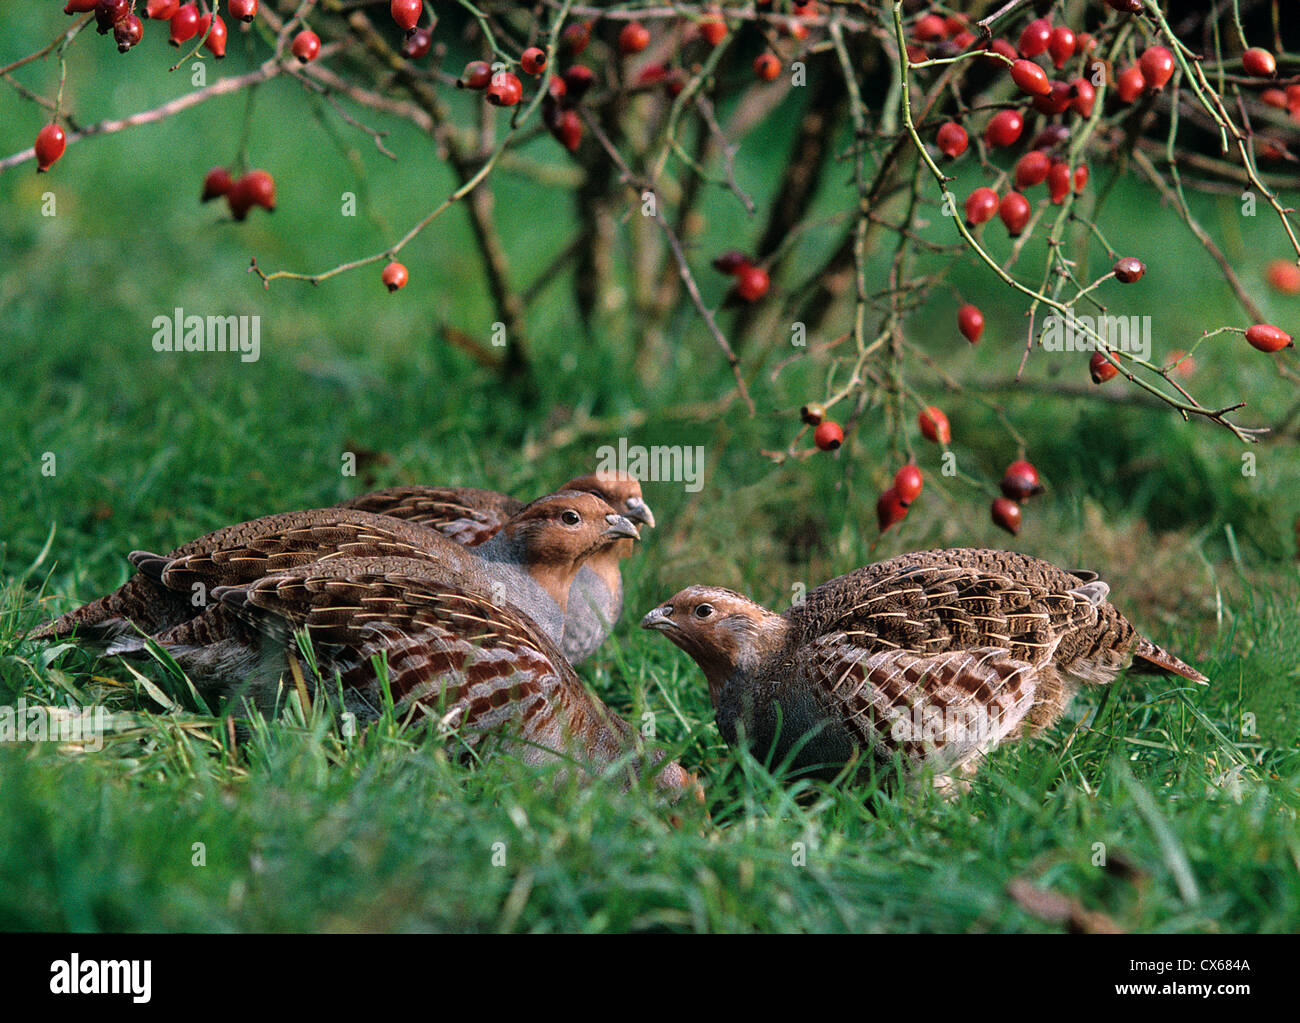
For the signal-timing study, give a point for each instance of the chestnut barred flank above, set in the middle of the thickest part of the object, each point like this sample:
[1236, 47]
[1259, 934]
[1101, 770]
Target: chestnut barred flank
[936, 656]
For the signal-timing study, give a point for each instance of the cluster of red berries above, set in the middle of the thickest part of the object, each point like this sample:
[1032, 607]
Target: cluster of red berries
[752, 282]
[892, 505]
[187, 23]
[1019, 483]
[114, 16]
[256, 188]
[559, 105]
[1287, 99]
[501, 88]
[1150, 74]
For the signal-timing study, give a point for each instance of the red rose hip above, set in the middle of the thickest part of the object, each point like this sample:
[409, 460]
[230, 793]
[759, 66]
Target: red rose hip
[1030, 78]
[1006, 515]
[215, 43]
[477, 75]
[1020, 481]
[767, 67]
[1062, 45]
[934, 425]
[829, 435]
[50, 144]
[952, 139]
[418, 44]
[981, 206]
[1157, 65]
[1130, 83]
[970, 321]
[217, 183]
[306, 45]
[533, 60]
[752, 283]
[1268, 338]
[1102, 368]
[1014, 211]
[184, 24]
[505, 90]
[394, 276]
[1284, 276]
[633, 38]
[406, 13]
[1259, 63]
[1129, 270]
[1036, 38]
[1032, 169]
[1004, 128]
[908, 482]
[890, 509]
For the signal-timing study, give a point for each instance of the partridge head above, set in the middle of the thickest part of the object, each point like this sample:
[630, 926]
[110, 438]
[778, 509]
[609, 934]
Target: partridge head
[596, 599]
[472, 516]
[549, 540]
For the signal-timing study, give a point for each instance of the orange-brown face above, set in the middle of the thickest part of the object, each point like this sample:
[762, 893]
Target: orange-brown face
[621, 490]
[720, 629]
[555, 534]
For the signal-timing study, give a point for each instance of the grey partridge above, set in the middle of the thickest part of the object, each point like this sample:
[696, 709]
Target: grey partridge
[471, 516]
[448, 650]
[531, 562]
[937, 655]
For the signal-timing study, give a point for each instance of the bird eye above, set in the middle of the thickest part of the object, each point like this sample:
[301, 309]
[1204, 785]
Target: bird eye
[704, 610]
[570, 517]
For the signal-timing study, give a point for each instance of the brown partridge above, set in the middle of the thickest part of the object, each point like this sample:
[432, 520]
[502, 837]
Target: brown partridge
[470, 516]
[531, 562]
[450, 652]
[938, 656]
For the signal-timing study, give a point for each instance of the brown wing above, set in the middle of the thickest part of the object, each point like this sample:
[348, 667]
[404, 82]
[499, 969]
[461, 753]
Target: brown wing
[289, 541]
[450, 652]
[940, 709]
[966, 599]
[155, 601]
[465, 514]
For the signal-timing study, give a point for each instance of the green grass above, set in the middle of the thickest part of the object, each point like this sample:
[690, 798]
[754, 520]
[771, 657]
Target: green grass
[304, 830]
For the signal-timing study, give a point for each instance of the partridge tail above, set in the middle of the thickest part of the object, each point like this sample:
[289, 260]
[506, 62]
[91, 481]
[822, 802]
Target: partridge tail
[104, 620]
[99, 621]
[1150, 658]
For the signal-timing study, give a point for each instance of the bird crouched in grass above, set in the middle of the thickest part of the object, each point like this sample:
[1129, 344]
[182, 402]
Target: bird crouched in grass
[471, 517]
[445, 648]
[530, 562]
[937, 656]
